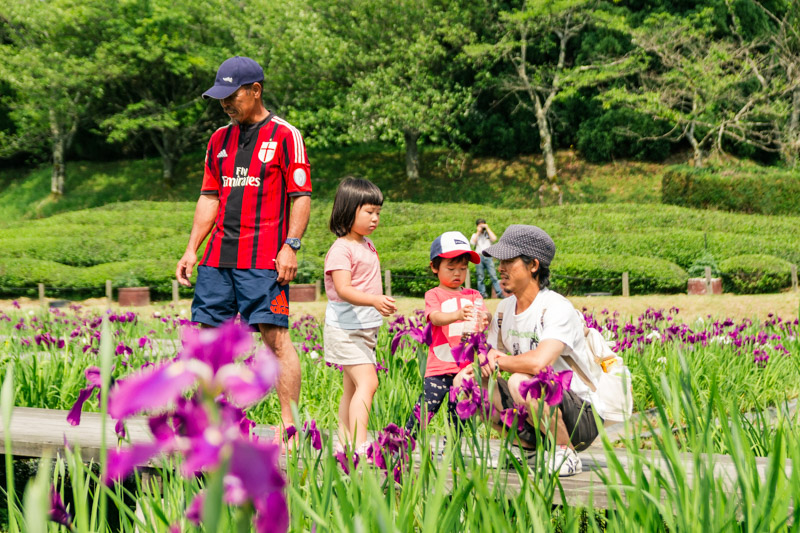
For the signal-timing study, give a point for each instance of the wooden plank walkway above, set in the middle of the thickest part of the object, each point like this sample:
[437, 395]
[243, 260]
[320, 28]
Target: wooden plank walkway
[36, 432]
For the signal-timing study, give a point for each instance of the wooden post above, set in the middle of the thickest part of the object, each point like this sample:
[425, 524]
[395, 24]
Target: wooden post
[41, 293]
[794, 277]
[317, 290]
[626, 288]
[109, 293]
[468, 281]
[387, 280]
[175, 294]
[709, 290]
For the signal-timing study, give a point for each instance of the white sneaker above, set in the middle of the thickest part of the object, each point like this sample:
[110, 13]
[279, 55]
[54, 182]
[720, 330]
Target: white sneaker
[566, 462]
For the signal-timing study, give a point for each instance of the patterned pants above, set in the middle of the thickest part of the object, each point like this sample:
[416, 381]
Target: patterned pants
[436, 390]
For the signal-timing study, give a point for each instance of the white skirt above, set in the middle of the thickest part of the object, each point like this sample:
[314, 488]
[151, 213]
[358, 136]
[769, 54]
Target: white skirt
[350, 346]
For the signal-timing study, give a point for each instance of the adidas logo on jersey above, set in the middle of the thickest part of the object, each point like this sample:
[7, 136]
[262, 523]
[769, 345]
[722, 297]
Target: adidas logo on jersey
[222, 153]
[280, 306]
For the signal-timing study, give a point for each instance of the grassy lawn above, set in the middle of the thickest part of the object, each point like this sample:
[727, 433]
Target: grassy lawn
[447, 177]
[753, 306]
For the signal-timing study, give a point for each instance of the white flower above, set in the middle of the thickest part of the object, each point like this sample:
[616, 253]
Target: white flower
[157, 314]
[654, 335]
[313, 354]
[662, 360]
[31, 312]
[183, 311]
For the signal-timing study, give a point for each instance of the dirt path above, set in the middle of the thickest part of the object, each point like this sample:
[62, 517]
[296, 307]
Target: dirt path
[756, 306]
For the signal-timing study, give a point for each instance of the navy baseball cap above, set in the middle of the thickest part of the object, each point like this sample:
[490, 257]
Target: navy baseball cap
[453, 244]
[232, 74]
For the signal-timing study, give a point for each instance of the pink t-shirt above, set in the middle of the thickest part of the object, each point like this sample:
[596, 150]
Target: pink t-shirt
[361, 260]
[440, 358]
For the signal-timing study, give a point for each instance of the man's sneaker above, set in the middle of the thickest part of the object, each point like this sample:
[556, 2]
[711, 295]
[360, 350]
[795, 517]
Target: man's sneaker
[566, 462]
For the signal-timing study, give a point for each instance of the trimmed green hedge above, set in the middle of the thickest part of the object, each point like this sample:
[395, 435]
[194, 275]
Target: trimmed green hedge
[767, 192]
[132, 235]
[582, 273]
[576, 274]
[755, 274]
[18, 273]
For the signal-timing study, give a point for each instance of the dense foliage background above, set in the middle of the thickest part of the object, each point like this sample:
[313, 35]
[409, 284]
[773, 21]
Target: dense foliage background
[639, 79]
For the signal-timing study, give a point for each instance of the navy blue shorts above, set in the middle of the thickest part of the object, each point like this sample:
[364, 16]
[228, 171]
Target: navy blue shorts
[252, 292]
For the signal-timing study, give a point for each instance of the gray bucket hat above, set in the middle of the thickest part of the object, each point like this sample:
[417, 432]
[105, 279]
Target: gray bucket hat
[520, 239]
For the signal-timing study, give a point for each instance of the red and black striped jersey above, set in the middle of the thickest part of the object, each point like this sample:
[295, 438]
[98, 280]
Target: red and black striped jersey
[254, 169]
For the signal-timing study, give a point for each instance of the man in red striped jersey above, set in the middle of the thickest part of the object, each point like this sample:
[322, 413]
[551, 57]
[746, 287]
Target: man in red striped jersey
[255, 203]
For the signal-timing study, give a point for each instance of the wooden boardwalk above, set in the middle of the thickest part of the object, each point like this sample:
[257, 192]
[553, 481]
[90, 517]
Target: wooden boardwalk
[37, 432]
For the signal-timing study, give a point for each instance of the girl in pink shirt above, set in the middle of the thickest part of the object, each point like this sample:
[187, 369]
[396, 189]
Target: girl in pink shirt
[356, 304]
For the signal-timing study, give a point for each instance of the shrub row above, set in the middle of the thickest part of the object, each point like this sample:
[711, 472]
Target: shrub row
[153, 231]
[755, 274]
[767, 192]
[576, 274]
[16, 273]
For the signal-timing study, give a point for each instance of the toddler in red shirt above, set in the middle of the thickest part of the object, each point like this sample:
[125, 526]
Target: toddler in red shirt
[453, 311]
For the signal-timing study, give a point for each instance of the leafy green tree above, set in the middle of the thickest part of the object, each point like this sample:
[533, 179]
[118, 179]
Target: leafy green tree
[395, 60]
[785, 48]
[537, 41]
[48, 57]
[710, 89]
[164, 55]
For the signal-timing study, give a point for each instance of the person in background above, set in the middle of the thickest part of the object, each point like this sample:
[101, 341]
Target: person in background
[481, 240]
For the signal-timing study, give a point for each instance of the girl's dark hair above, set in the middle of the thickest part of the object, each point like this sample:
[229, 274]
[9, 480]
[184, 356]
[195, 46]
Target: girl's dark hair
[352, 194]
[542, 274]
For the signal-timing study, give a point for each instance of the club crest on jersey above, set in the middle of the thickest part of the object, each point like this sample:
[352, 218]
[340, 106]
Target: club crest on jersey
[267, 151]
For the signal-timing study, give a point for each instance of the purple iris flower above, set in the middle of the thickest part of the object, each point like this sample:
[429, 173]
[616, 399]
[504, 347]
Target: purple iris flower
[121, 462]
[518, 413]
[423, 335]
[123, 349]
[272, 514]
[547, 383]
[58, 512]
[395, 443]
[216, 347]
[194, 513]
[311, 431]
[474, 344]
[466, 408]
[471, 401]
[418, 414]
[344, 462]
[245, 385]
[93, 377]
[150, 389]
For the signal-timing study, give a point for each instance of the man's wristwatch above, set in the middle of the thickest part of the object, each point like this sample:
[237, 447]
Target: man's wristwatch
[294, 243]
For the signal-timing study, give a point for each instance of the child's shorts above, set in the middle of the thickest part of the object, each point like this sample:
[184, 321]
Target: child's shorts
[350, 346]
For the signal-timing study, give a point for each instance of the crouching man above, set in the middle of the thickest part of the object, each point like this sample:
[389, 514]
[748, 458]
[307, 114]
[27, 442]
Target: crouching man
[533, 329]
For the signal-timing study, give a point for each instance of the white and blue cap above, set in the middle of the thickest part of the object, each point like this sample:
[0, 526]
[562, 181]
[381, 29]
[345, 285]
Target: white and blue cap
[453, 244]
[232, 74]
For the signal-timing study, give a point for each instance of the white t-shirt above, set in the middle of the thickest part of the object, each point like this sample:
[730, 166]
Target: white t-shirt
[481, 241]
[550, 316]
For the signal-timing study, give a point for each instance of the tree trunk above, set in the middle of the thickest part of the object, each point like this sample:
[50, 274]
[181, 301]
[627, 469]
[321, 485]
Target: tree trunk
[546, 142]
[698, 152]
[57, 179]
[794, 128]
[412, 154]
[168, 169]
